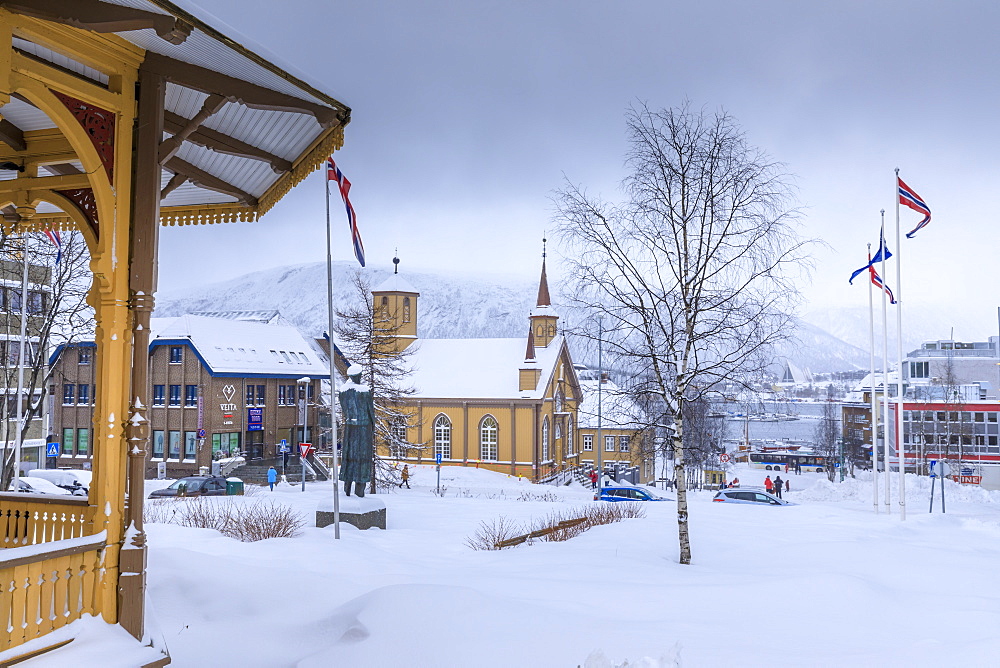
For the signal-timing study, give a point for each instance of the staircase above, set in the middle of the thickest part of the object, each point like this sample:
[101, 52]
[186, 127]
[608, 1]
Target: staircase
[255, 472]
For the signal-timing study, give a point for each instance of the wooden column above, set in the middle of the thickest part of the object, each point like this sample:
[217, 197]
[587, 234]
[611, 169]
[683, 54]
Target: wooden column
[142, 285]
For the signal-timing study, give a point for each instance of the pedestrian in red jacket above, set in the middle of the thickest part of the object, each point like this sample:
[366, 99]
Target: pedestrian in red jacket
[768, 485]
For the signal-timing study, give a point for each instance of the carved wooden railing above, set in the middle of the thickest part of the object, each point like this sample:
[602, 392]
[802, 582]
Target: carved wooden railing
[46, 586]
[30, 519]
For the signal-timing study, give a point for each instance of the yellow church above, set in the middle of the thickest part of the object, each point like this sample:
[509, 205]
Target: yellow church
[508, 405]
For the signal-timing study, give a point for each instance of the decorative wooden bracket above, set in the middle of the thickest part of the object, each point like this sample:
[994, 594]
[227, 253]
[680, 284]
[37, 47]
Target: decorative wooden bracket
[99, 124]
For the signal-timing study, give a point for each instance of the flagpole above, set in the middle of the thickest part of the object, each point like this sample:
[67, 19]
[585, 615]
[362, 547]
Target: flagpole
[900, 449]
[885, 374]
[333, 349]
[871, 379]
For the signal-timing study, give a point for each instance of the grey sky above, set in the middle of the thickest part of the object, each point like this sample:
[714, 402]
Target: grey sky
[467, 115]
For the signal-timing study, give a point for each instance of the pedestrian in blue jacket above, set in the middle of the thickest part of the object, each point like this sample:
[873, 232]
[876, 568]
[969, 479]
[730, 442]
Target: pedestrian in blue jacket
[272, 477]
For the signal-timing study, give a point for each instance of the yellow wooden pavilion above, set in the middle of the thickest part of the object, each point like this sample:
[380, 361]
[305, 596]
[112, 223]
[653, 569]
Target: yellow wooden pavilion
[119, 116]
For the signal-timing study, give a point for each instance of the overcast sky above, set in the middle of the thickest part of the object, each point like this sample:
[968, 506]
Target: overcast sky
[467, 116]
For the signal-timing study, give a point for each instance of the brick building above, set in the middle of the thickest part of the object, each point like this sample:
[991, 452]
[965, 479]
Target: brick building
[217, 386]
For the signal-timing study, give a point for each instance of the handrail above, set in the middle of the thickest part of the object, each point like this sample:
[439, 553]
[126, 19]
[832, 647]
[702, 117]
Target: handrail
[32, 554]
[29, 519]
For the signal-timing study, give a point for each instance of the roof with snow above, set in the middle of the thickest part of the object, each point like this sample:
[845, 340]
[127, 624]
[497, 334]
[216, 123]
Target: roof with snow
[395, 283]
[270, 317]
[618, 410]
[478, 368]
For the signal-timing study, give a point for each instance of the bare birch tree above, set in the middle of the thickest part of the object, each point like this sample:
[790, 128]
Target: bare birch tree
[370, 342]
[58, 314]
[694, 272]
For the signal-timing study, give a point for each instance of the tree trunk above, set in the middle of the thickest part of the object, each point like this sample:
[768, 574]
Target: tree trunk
[683, 535]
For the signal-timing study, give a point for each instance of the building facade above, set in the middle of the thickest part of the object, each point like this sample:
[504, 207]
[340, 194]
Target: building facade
[218, 387]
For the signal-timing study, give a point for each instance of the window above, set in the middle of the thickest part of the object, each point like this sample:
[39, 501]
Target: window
[83, 394]
[385, 308]
[406, 309]
[285, 356]
[176, 354]
[190, 395]
[14, 301]
[158, 394]
[36, 302]
[228, 444]
[157, 443]
[175, 395]
[488, 439]
[69, 391]
[570, 441]
[250, 395]
[282, 397]
[442, 437]
[190, 444]
[261, 393]
[399, 430]
[67, 444]
[82, 441]
[588, 442]
[920, 370]
[83, 356]
[623, 444]
[175, 445]
[545, 439]
[609, 444]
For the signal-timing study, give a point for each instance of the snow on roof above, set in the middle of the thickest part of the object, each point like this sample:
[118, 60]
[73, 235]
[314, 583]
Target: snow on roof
[243, 347]
[618, 410]
[478, 368]
[395, 283]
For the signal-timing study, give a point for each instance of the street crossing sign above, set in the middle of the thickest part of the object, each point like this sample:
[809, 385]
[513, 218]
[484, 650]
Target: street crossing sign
[51, 449]
[283, 446]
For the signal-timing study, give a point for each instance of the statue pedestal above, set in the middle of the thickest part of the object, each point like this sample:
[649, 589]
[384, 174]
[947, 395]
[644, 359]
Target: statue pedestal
[363, 513]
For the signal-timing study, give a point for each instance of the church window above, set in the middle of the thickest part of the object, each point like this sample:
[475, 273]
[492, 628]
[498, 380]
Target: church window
[442, 437]
[559, 403]
[398, 445]
[488, 439]
[570, 443]
[545, 439]
[385, 308]
[406, 309]
[540, 331]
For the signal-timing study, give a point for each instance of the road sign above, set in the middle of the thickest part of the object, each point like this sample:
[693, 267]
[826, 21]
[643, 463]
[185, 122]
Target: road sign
[437, 457]
[304, 448]
[283, 446]
[51, 449]
[201, 433]
[723, 458]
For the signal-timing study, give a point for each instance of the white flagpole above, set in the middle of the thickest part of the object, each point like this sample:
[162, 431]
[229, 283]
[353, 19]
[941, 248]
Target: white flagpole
[900, 449]
[333, 349]
[885, 373]
[871, 380]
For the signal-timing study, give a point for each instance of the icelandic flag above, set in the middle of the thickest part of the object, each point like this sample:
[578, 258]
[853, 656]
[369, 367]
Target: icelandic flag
[56, 240]
[872, 261]
[911, 199]
[333, 173]
[877, 282]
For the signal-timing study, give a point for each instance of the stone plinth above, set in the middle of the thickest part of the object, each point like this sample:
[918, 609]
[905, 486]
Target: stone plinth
[363, 513]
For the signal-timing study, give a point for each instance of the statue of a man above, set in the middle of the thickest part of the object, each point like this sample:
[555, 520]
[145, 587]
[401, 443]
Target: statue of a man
[358, 409]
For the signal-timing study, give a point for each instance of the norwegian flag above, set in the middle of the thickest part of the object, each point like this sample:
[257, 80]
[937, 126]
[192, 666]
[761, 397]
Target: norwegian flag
[56, 240]
[908, 197]
[333, 173]
[877, 282]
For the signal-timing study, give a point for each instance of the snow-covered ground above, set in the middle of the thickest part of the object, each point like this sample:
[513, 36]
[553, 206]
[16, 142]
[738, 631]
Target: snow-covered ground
[826, 582]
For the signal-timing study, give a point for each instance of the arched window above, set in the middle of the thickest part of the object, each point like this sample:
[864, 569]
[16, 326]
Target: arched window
[442, 437]
[570, 443]
[406, 309]
[488, 429]
[385, 308]
[559, 402]
[560, 448]
[545, 439]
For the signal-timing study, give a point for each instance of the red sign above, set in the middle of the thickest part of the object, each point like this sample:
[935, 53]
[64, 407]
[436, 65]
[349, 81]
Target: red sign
[305, 448]
[723, 458]
[972, 479]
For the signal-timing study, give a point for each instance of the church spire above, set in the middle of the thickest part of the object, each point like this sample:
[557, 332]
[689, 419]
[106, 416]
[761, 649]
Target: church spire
[543, 284]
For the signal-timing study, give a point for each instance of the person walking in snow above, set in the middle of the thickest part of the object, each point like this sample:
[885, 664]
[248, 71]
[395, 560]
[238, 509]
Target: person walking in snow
[405, 475]
[768, 484]
[272, 477]
[779, 484]
[788, 486]
[593, 478]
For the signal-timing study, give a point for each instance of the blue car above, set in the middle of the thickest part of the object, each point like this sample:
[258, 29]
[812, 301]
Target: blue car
[629, 493]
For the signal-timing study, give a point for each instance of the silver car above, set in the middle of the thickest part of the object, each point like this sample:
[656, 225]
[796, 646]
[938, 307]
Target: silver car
[737, 495]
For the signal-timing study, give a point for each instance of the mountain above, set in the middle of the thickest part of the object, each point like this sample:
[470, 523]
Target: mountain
[462, 307]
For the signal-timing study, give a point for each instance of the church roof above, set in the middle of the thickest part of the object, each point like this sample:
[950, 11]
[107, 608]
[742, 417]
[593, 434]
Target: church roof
[395, 283]
[477, 368]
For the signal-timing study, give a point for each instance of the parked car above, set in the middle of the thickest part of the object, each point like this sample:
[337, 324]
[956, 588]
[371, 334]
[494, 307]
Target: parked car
[194, 485]
[75, 481]
[756, 496]
[38, 486]
[629, 493]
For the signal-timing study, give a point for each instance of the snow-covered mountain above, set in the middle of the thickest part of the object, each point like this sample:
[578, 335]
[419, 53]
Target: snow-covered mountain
[458, 307]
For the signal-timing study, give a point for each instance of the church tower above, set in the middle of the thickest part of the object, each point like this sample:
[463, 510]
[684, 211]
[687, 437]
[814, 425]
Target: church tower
[544, 320]
[394, 304]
